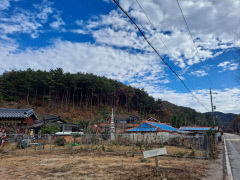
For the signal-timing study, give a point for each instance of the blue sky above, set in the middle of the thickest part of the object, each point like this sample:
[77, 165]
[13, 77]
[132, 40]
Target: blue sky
[94, 36]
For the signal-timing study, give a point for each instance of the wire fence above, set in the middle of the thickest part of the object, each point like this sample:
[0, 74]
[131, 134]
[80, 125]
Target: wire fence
[201, 146]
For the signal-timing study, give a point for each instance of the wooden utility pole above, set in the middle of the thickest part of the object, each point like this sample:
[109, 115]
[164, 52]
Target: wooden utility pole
[213, 119]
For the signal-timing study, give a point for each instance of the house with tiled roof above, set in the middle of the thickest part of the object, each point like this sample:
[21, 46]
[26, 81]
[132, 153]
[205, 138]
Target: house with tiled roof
[16, 120]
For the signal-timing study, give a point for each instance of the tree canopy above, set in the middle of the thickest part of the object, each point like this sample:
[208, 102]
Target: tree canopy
[59, 89]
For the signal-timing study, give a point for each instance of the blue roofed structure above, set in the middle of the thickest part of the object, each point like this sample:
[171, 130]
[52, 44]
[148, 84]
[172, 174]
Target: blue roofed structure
[149, 126]
[189, 128]
[196, 129]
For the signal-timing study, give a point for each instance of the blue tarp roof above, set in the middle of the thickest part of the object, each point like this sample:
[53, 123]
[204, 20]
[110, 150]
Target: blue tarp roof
[196, 128]
[153, 127]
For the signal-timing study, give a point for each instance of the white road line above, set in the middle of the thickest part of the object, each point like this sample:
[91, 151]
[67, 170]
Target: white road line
[229, 171]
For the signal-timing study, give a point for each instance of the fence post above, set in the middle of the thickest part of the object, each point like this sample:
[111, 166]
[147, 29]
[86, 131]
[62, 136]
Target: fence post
[133, 145]
[207, 146]
[50, 142]
[71, 143]
[87, 141]
[156, 162]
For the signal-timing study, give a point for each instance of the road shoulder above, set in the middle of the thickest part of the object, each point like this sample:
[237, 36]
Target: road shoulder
[216, 170]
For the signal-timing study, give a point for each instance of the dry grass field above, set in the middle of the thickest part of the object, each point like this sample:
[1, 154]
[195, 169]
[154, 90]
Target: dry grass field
[76, 164]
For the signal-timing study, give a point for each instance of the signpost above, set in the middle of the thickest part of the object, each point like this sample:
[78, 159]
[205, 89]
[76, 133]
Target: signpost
[155, 153]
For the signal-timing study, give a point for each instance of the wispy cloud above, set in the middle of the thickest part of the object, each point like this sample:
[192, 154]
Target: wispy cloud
[4, 4]
[57, 23]
[199, 73]
[28, 21]
[227, 65]
[79, 31]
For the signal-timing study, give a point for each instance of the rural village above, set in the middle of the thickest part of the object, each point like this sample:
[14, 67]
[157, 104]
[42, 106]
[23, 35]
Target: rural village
[119, 90]
[60, 148]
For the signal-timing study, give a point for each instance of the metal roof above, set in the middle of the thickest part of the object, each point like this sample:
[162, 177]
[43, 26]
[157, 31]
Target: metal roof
[164, 127]
[154, 127]
[196, 128]
[16, 113]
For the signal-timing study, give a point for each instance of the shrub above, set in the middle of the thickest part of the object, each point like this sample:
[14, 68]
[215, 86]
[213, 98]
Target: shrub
[144, 160]
[115, 143]
[180, 154]
[192, 153]
[103, 148]
[60, 141]
[49, 129]
[140, 145]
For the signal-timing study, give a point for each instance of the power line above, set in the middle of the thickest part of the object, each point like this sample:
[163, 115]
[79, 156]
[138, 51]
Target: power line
[144, 12]
[151, 24]
[190, 34]
[163, 60]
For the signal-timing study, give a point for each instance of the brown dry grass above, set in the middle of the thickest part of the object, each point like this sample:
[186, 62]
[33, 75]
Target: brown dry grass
[68, 164]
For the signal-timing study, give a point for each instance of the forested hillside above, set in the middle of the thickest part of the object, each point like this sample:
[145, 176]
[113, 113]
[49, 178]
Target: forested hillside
[224, 119]
[60, 92]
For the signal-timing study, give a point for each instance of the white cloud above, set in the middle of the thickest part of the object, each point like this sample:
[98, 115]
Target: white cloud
[85, 57]
[57, 23]
[226, 100]
[227, 65]
[205, 19]
[199, 73]
[79, 31]
[28, 21]
[4, 4]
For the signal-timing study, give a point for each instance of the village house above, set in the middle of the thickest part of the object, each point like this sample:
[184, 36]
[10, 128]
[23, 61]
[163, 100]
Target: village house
[16, 120]
[66, 128]
[153, 132]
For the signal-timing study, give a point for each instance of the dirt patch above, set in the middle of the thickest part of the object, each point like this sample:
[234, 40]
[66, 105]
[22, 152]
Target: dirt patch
[90, 165]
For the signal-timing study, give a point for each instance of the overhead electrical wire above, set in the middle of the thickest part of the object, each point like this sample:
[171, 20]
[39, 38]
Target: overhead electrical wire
[162, 59]
[188, 29]
[151, 24]
[190, 34]
[144, 12]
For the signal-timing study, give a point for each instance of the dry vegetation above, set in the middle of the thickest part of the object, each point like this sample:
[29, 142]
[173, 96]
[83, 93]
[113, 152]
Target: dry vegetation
[82, 164]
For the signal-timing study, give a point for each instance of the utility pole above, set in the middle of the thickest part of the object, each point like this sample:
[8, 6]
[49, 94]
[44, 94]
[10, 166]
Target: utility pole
[213, 119]
[112, 128]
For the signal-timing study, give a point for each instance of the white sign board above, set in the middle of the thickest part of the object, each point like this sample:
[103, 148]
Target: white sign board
[154, 152]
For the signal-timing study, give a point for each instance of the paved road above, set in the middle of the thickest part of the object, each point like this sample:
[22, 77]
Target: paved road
[233, 148]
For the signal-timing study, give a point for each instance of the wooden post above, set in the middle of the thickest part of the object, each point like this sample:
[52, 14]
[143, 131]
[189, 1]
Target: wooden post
[50, 142]
[133, 145]
[156, 162]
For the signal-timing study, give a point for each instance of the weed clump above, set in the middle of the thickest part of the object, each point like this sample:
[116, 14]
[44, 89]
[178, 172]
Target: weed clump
[192, 153]
[60, 141]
